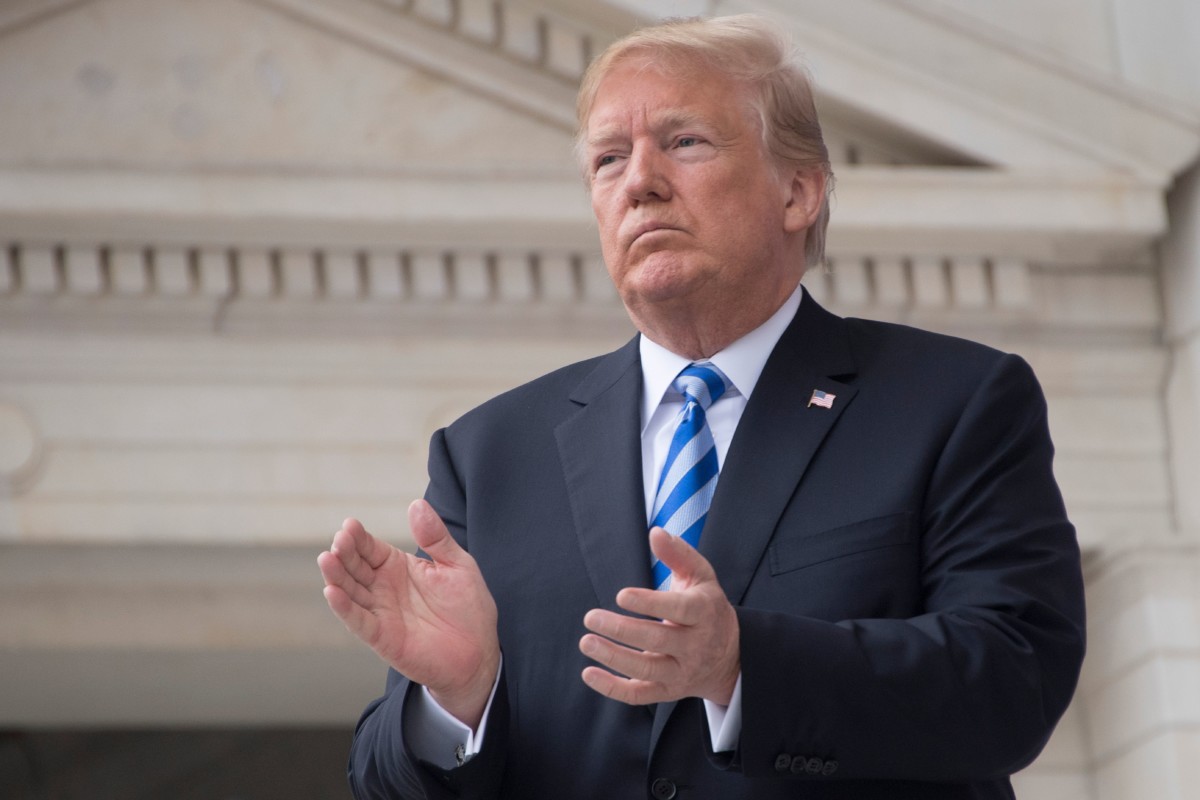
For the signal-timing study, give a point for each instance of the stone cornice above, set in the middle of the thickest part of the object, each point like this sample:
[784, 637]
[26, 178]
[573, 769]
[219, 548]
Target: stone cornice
[1068, 217]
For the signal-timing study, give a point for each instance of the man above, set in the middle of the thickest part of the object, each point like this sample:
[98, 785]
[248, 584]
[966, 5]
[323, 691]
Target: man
[880, 599]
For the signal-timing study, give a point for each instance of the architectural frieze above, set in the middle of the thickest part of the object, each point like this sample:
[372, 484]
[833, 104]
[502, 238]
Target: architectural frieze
[466, 277]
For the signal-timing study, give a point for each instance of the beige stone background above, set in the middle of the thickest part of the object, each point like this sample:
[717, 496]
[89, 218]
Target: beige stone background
[253, 252]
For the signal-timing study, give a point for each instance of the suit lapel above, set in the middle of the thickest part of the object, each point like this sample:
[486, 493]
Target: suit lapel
[600, 449]
[776, 439]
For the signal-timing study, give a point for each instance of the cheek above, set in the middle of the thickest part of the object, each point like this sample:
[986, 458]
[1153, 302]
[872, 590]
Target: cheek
[599, 207]
[608, 222]
[760, 214]
[608, 244]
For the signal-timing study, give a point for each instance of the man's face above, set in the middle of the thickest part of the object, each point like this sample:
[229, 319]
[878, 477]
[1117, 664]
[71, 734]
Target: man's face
[693, 218]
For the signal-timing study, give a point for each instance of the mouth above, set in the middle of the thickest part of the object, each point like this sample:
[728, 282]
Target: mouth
[647, 228]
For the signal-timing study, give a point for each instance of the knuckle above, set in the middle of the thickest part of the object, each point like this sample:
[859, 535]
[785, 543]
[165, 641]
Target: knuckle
[658, 639]
[636, 667]
[654, 670]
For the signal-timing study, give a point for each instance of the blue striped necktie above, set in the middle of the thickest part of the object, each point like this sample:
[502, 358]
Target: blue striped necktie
[689, 475]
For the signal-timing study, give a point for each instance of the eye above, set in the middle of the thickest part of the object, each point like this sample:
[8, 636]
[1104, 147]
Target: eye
[603, 161]
[687, 141]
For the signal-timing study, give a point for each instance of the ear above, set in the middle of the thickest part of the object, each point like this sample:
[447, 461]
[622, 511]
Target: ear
[804, 195]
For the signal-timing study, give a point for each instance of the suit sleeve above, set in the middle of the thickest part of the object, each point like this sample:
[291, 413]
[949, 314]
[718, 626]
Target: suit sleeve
[970, 689]
[382, 764]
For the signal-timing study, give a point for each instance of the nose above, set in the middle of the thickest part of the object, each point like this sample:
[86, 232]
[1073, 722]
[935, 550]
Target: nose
[646, 178]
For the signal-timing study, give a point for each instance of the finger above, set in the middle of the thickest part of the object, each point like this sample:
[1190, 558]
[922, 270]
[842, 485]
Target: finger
[687, 566]
[679, 607]
[357, 620]
[653, 667]
[644, 634]
[334, 571]
[346, 548]
[625, 690]
[355, 540]
[432, 536]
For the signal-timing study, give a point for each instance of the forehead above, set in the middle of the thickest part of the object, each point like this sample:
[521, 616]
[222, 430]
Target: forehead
[637, 93]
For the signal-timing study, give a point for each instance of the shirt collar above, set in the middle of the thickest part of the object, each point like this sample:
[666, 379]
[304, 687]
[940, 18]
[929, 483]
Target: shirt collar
[742, 362]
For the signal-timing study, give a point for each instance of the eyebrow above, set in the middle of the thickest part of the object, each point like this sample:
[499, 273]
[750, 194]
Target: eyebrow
[669, 120]
[603, 138]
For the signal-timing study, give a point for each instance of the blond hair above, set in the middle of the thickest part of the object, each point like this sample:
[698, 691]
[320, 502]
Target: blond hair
[745, 49]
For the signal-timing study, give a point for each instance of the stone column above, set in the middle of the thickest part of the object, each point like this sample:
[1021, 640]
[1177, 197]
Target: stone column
[1181, 284]
[1141, 686]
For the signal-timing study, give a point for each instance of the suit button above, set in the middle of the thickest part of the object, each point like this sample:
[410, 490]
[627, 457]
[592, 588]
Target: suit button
[798, 763]
[662, 789]
[814, 765]
[829, 768]
[783, 762]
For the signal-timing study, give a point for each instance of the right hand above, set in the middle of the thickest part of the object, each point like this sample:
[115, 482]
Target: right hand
[433, 620]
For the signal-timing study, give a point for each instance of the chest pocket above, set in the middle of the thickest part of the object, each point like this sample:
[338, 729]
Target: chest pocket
[791, 554]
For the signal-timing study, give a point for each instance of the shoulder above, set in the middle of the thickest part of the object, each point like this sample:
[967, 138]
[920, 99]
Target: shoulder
[890, 350]
[918, 374]
[872, 340]
[885, 353]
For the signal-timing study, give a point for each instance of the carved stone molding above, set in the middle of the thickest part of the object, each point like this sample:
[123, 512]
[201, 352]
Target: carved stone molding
[295, 273]
[972, 284]
[465, 277]
[1071, 219]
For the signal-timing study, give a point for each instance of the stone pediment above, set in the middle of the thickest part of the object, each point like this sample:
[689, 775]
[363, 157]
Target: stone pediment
[480, 86]
[248, 86]
[319, 87]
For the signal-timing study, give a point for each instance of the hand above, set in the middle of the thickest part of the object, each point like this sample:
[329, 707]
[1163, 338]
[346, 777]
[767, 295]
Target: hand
[434, 620]
[691, 652]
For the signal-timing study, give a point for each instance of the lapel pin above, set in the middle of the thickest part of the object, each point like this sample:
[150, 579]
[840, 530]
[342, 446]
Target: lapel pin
[822, 399]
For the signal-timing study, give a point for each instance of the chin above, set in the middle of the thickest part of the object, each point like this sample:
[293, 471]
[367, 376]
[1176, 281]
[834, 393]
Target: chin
[660, 278]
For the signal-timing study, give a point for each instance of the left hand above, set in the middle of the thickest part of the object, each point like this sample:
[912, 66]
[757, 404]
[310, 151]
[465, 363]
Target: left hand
[688, 649]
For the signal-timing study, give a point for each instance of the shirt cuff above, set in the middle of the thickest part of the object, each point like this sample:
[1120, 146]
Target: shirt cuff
[725, 722]
[438, 737]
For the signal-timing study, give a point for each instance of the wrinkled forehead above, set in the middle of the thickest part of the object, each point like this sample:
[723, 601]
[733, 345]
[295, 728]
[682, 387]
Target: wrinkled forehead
[685, 97]
[684, 67]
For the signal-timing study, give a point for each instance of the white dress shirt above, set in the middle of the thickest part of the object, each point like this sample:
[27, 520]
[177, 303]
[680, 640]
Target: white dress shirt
[435, 735]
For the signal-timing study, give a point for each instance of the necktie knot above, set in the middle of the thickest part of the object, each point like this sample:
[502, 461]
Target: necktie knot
[701, 383]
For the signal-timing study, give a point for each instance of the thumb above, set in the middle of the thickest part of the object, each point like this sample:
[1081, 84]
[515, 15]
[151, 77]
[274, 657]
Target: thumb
[684, 561]
[432, 536]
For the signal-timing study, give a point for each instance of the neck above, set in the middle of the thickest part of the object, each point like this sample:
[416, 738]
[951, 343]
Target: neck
[695, 343]
[698, 334]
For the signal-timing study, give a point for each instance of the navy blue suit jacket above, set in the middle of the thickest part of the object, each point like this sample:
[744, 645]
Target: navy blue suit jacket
[906, 581]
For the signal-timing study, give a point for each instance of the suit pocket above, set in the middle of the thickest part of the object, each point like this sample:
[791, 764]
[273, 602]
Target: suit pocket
[858, 537]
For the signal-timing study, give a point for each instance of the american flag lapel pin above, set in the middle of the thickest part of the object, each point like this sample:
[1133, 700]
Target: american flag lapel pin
[822, 399]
